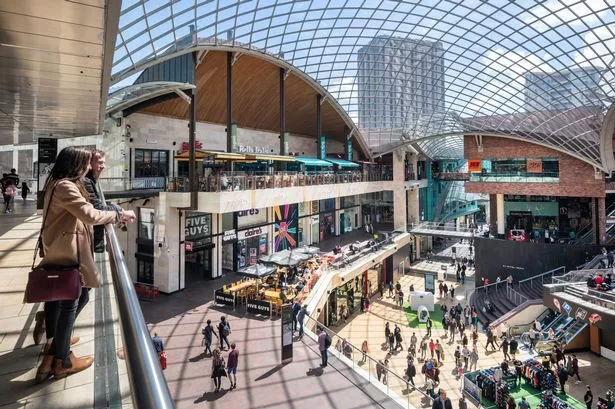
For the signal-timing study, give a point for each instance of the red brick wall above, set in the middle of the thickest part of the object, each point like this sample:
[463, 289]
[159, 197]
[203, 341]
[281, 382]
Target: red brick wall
[576, 178]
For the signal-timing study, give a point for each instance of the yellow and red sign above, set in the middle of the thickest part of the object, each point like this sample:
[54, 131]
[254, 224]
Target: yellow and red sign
[534, 166]
[474, 165]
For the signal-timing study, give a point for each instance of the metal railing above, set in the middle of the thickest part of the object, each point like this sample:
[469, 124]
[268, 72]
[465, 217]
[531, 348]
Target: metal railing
[542, 177]
[148, 386]
[441, 227]
[387, 381]
[579, 276]
[232, 182]
[126, 184]
[491, 288]
[515, 296]
[544, 277]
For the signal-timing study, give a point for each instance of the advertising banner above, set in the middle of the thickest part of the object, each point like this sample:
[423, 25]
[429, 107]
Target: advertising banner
[220, 297]
[534, 166]
[258, 307]
[474, 165]
[285, 227]
[471, 390]
[287, 333]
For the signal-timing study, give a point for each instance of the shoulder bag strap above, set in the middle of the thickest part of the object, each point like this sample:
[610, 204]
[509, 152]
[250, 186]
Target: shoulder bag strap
[39, 242]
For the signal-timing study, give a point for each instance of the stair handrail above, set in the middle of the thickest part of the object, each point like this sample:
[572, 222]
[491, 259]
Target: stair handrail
[542, 276]
[515, 295]
[311, 330]
[491, 287]
[579, 276]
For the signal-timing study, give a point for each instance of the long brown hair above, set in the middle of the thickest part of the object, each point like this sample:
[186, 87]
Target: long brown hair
[71, 164]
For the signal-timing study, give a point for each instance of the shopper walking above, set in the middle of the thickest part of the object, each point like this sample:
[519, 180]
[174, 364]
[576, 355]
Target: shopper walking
[391, 342]
[324, 342]
[491, 339]
[423, 348]
[411, 372]
[465, 354]
[473, 360]
[364, 350]
[575, 369]
[442, 401]
[504, 348]
[438, 351]
[9, 192]
[398, 338]
[301, 317]
[233, 359]
[296, 310]
[217, 369]
[224, 329]
[562, 375]
[158, 344]
[387, 332]
[588, 398]
[432, 347]
[429, 324]
[208, 333]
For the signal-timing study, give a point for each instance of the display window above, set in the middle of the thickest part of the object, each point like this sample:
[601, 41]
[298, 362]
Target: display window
[250, 249]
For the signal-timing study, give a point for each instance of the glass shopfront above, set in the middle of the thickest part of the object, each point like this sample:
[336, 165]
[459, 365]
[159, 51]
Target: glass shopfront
[327, 219]
[251, 244]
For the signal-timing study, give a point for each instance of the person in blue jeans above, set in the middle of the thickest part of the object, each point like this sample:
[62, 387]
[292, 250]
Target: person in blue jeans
[158, 344]
[224, 329]
[300, 317]
[322, 347]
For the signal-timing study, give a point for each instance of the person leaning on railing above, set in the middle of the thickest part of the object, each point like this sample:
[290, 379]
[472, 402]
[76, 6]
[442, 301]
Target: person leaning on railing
[67, 241]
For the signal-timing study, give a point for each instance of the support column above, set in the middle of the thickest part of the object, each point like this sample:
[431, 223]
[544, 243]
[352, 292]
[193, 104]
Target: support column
[500, 215]
[192, 175]
[322, 153]
[599, 220]
[231, 140]
[414, 215]
[283, 134]
[493, 214]
[399, 193]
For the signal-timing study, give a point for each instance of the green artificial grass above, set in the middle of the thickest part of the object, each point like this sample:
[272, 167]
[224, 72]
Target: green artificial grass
[413, 318]
[532, 396]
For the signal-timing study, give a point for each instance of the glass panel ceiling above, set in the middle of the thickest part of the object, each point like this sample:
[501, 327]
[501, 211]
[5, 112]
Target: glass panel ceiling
[415, 71]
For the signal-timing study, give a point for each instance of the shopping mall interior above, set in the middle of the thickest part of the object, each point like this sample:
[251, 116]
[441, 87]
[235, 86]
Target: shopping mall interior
[389, 203]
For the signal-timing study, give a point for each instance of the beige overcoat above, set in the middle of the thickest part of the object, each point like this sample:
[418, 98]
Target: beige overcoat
[68, 227]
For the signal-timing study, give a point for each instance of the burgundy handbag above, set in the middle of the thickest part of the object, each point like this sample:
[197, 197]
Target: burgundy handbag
[52, 283]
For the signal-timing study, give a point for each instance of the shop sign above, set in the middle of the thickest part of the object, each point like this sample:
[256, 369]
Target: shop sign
[252, 149]
[471, 390]
[230, 236]
[198, 226]
[287, 332]
[534, 166]
[245, 234]
[474, 165]
[186, 145]
[220, 297]
[251, 217]
[258, 307]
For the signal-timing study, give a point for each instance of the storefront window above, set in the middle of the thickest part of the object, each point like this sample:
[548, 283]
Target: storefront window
[151, 163]
[250, 249]
[146, 224]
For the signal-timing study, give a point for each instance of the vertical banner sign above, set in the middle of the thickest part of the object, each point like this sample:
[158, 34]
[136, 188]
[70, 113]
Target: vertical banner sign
[47, 152]
[349, 150]
[287, 333]
[234, 146]
[474, 166]
[285, 143]
[322, 153]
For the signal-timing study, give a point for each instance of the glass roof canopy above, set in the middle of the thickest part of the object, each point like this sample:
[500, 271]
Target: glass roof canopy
[418, 72]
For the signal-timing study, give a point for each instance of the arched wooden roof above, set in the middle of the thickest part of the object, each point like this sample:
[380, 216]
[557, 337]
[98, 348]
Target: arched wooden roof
[255, 98]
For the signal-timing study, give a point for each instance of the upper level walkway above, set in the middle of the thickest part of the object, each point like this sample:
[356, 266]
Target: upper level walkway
[105, 383]
[442, 230]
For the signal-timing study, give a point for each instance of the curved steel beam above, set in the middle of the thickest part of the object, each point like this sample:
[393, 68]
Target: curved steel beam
[606, 140]
[498, 135]
[264, 56]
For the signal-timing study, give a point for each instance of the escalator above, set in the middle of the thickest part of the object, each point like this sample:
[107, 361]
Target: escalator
[571, 331]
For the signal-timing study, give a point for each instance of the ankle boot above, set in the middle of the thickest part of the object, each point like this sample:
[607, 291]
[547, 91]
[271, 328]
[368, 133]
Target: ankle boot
[44, 370]
[73, 341]
[76, 365]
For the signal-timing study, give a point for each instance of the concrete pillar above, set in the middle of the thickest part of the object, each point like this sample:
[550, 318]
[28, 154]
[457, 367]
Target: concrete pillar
[216, 254]
[414, 215]
[417, 247]
[412, 165]
[493, 214]
[599, 209]
[338, 215]
[500, 214]
[399, 194]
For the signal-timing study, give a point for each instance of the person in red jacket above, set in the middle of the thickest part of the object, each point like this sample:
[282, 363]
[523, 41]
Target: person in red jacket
[233, 358]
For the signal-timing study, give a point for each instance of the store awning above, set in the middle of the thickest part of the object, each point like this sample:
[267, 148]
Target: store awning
[213, 155]
[342, 163]
[313, 162]
[276, 158]
[307, 249]
[257, 271]
[284, 258]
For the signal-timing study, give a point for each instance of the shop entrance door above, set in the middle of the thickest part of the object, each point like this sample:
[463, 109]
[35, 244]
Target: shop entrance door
[198, 265]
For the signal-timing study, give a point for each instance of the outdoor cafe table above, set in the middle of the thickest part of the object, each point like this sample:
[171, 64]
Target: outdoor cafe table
[241, 286]
[276, 295]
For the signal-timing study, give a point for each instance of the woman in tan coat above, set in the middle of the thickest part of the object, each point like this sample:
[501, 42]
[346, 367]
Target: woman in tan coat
[67, 241]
